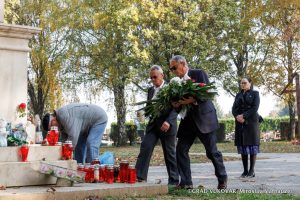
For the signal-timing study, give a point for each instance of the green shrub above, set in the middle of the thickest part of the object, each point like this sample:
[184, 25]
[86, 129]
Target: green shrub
[131, 132]
[229, 124]
[269, 124]
[272, 123]
[114, 135]
[221, 133]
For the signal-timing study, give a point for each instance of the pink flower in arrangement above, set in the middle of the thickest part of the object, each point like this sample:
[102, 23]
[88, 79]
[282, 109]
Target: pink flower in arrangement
[202, 84]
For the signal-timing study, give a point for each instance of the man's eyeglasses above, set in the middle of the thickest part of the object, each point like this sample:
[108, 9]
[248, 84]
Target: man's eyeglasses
[153, 77]
[173, 68]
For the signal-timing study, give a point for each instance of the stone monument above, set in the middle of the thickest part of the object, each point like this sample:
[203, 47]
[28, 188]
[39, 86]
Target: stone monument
[13, 67]
[13, 90]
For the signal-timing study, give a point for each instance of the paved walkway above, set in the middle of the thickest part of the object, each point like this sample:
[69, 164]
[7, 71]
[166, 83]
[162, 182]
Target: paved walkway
[275, 173]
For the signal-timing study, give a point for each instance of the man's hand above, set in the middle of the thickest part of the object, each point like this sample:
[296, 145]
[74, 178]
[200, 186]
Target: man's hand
[175, 104]
[165, 127]
[240, 118]
[188, 100]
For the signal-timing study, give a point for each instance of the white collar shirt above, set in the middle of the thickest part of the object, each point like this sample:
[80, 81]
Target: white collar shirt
[156, 89]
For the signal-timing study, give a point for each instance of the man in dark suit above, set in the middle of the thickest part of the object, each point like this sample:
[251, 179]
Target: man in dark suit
[201, 121]
[164, 128]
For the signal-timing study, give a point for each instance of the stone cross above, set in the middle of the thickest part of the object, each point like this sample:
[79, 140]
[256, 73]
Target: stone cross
[1, 11]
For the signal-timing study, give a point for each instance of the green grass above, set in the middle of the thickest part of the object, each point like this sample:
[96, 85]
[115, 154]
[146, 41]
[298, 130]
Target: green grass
[229, 195]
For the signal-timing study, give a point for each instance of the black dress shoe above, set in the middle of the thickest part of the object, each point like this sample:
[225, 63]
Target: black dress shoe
[244, 175]
[184, 187]
[140, 180]
[251, 175]
[222, 185]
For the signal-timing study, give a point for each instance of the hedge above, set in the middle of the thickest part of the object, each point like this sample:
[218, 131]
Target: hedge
[131, 133]
[269, 124]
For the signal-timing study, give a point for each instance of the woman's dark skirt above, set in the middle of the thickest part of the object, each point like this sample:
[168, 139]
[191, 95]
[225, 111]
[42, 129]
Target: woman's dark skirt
[245, 150]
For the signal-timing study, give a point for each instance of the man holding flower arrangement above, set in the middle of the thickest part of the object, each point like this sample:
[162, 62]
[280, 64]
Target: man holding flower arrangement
[199, 120]
[162, 126]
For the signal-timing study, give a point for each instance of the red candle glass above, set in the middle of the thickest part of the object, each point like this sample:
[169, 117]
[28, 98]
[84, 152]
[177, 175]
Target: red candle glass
[67, 150]
[117, 173]
[110, 174]
[52, 136]
[95, 162]
[102, 173]
[96, 174]
[87, 174]
[124, 171]
[131, 174]
[91, 171]
[80, 167]
[24, 152]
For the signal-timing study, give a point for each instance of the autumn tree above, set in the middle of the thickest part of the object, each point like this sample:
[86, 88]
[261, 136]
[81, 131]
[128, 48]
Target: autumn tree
[282, 19]
[189, 28]
[103, 49]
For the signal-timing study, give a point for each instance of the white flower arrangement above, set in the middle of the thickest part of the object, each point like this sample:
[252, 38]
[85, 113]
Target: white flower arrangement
[61, 172]
[176, 80]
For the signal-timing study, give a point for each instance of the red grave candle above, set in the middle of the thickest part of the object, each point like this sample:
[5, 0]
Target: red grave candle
[110, 174]
[124, 171]
[117, 173]
[91, 171]
[131, 174]
[52, 136]
[24, 152]
[95, 161]
[102, 173]
[67, 150]
[87, 170]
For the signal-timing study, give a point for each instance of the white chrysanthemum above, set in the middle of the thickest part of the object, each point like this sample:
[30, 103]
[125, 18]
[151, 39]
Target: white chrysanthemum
[176, 80]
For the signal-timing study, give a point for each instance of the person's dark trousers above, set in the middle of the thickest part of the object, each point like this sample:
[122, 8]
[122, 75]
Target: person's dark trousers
[144, 157]
[141, 133]
[183, 160]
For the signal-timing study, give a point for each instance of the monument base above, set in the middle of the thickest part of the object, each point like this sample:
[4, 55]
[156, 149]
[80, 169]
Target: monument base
[13, 172]
[27, 173]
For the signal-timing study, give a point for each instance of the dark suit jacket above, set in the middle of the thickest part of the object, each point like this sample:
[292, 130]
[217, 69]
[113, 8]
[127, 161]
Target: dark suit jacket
[203, 115]
[169, 115]
[247, 104]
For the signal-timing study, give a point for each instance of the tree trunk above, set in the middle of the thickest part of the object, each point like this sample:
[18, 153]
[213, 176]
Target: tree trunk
[292, 112]
[37, 101]
[291, 100]
[120, 105]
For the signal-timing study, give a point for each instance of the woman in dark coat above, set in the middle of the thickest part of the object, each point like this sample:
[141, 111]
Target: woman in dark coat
[247, 134]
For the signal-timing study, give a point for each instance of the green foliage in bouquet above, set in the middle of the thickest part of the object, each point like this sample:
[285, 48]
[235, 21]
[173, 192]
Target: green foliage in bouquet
[176, 90]
[13, 141]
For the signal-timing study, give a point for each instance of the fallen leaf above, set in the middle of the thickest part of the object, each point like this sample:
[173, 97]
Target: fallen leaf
[2, 187]
[51, 189]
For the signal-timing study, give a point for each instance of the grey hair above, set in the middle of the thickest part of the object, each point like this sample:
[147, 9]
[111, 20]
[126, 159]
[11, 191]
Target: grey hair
[156, 67]
[179, 59]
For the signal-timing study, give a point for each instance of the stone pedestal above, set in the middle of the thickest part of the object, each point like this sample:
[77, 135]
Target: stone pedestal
[13, 68]
[16, 173]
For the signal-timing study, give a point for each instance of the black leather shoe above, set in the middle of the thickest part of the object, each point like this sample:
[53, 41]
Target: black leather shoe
[140, 180]
[184, 187]
[244, 175]
[222, 185]
[251, 175]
